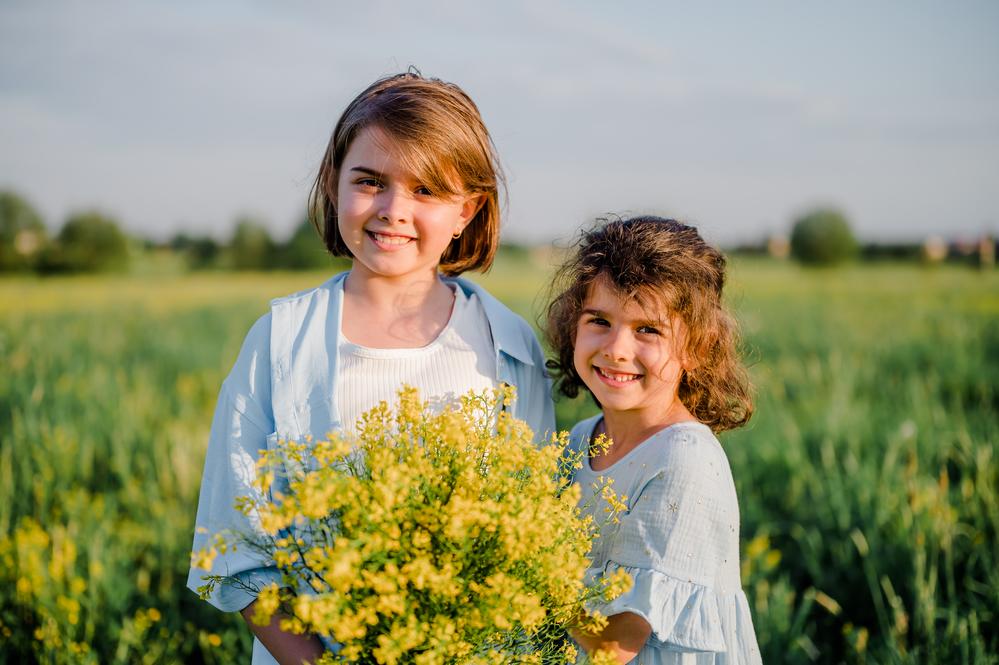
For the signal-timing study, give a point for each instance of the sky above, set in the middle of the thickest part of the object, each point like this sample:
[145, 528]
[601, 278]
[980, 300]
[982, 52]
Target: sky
[736, 117]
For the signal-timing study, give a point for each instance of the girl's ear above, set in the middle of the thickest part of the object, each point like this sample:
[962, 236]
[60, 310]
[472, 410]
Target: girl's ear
[469, 209]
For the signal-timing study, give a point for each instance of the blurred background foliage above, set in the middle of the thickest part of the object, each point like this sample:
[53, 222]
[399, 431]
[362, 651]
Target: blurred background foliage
[868, 481]
[92, 242]
[823, 237]
[22, 233]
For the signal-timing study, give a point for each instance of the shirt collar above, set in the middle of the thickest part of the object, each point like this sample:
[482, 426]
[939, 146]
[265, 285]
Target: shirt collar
[510, 334]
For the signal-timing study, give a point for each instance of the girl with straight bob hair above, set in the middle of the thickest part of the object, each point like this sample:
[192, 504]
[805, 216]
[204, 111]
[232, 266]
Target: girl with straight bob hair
[441, 140]
[409, 190]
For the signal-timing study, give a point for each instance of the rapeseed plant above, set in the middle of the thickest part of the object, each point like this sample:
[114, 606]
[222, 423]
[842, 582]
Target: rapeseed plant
[429, 538]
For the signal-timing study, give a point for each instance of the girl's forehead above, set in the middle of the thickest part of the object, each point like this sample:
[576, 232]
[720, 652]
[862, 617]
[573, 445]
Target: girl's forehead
[644, 304]
[407, 159]
[374, 144]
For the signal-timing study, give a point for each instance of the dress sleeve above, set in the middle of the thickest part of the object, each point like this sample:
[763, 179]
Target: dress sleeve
[678, 533]
[240, 429]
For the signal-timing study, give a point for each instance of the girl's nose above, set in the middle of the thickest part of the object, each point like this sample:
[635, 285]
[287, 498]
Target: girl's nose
[394, 205]
[617, 344]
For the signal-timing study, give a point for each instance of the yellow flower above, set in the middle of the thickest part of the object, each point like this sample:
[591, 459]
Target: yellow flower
[618, 583]
[268, 601]
[432, 536]
[603, 657]
[204, 559]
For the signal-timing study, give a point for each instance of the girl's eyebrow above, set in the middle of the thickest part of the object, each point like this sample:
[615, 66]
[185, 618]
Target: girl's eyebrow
[366, 170]
[655, 323]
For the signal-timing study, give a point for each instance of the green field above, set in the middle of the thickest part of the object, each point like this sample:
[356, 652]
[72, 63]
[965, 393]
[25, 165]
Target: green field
[868, 478]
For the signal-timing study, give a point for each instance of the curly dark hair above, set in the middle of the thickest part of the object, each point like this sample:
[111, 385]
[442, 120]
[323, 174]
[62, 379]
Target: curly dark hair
[664, 264]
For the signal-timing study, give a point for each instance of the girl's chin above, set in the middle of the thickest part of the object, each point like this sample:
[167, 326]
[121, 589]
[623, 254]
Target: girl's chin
[391, 269]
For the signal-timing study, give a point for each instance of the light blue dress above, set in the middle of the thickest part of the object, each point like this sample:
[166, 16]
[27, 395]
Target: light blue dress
[282, 387]
[679, 540]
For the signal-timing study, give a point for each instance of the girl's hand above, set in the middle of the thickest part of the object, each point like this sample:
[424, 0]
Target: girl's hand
[287, 648]
[624, 636]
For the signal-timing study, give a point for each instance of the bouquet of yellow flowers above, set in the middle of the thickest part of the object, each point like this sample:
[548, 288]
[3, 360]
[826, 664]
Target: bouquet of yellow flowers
[430, 538]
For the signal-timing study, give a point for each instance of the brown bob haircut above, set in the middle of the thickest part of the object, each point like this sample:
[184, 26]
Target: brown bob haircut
[666, 266]
[441, 139]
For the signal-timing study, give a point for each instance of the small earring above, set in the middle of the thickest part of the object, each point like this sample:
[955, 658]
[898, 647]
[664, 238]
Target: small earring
[456, 235]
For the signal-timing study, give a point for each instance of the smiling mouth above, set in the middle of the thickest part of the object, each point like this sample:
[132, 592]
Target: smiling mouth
[616, 377]
[388, 239]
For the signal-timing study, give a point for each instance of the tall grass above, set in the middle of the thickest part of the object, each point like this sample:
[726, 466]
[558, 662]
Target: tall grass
[867, 479]
[870, 466]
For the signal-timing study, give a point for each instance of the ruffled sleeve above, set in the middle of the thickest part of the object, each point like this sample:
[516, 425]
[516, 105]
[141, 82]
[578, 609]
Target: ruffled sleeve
[679, 543]
[681, 614]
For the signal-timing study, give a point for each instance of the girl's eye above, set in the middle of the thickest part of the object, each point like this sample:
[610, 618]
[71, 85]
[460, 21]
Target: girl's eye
[369, 182]
[649, 330]
[425, 191]
[598, 321]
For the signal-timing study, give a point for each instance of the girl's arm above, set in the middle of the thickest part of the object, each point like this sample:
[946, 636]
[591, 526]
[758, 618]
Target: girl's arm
[287, 648]
[624, 636]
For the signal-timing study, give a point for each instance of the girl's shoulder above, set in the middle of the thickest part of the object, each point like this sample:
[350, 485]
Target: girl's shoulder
[689, 456]
[688, 437]
[511, 333]
[311, 312]
[686, 443]
[258, 338]
[331, 287]
[494, 308]
[678, 445]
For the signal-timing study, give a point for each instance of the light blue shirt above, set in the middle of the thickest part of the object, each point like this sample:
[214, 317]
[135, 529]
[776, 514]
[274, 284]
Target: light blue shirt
[283, 387]
[679, 541]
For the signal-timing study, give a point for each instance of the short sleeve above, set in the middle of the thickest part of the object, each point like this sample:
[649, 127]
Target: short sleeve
[240, 429]
[673, 541]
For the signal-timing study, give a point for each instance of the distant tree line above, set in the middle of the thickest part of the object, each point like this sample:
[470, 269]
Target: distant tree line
[251, 247]
[823, 238]
[92, 241]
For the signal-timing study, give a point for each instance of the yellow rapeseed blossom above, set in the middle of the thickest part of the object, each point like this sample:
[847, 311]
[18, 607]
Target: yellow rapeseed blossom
[204, 559]
[603, 657]
[427, 538]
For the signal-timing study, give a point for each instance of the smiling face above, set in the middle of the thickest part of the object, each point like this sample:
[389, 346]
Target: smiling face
[394, 226]
[629, 357]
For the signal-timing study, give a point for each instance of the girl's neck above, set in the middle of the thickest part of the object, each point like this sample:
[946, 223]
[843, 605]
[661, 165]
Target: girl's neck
[388, 313]
[389, 292]
[627, 430]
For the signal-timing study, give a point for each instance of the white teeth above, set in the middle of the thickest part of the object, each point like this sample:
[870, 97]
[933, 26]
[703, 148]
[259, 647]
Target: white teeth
[616, 376]
[390, 240]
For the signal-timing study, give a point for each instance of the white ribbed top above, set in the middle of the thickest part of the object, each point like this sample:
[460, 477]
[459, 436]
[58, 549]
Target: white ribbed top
[460, 359]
